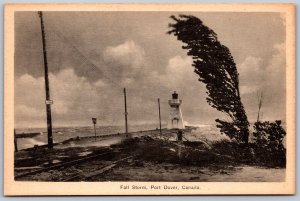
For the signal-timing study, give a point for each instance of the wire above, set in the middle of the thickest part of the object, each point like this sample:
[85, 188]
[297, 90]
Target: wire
[96, 69]
[93, 67]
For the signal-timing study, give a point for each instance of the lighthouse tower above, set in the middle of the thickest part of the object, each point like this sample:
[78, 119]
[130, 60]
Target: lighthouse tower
[175, 117]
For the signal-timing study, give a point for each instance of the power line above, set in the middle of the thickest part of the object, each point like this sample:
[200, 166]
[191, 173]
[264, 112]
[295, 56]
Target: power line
[85, 59]
[91, 65]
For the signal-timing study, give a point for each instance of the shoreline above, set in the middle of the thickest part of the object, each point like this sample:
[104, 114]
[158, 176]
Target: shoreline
[139, 158]
[87, 140]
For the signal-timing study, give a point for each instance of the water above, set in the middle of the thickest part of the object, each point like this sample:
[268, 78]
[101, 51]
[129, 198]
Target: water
[64, 133]
[203, 132]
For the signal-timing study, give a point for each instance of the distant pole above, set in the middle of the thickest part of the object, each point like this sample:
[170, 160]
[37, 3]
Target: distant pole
[259, 100]
[126, 113]
[95, 132]
[159, 116]
[15, 141]
[94, 122]
[48, 100]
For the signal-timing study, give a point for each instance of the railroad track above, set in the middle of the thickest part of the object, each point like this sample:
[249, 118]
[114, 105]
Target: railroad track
[71, 170]
[65, 165]
[102, 170]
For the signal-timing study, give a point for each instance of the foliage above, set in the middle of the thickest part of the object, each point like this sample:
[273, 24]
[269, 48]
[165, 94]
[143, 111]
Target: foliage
[216, 68]
[268, 137]
[240, 153]
[161, 151]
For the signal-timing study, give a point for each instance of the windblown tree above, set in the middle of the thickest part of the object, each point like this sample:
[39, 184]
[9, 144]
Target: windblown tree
[216, 68]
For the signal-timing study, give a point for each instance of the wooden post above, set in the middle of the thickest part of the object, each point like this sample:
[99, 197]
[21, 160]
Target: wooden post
[126, 113]
[159, 116]
[47, 89]
[259, 100]
[15, 141]
[95, 132]
[94, 122]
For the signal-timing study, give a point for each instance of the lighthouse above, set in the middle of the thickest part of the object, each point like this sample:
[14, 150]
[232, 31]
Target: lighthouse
[175, 116]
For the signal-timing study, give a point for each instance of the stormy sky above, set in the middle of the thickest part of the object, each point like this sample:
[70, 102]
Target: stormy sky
[93, 55]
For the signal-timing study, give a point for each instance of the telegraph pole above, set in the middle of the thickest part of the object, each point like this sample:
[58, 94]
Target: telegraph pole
[15, 141]
[94, 122]
[159, 116]
[259, 99]
[48, 100]
[126, 113]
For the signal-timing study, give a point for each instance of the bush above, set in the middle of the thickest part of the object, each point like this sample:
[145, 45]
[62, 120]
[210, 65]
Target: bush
[240, 152]
[268, 141]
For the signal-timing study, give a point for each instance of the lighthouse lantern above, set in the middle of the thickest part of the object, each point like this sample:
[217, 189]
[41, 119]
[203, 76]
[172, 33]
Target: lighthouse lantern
[175, 116]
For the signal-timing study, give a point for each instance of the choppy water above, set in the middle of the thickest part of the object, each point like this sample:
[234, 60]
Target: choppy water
[64, 133]
[207, 132]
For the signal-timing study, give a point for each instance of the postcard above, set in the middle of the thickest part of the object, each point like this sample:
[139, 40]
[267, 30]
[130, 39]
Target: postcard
[149, 99]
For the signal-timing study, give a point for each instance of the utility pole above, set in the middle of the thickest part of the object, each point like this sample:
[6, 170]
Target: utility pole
[48, 100]
[94, 122]
[159, 116]
[15, 141]
[126, 113]
[259, 101]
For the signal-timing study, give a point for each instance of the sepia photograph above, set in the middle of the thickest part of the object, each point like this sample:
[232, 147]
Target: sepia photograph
[164, 99]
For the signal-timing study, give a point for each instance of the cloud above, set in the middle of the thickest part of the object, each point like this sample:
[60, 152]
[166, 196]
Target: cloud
[275, 84]
[24, 110]
[75, 98]
[177, 74]
[123, 61]
[253, 75]
[249, 89]
[267, 76]
[276, 67]
[132, 50]
[250, 74]
[100, 83]
[179, 67]
[250, 65]
[128, 53]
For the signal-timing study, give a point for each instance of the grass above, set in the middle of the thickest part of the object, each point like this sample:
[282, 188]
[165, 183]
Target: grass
[222, 153]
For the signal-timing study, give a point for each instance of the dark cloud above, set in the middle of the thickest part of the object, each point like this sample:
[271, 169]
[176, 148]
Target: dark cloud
[93, 55]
